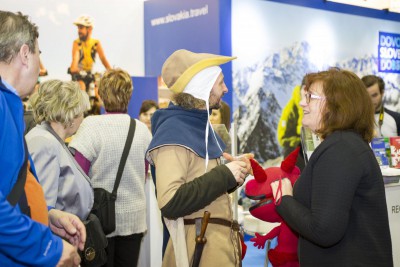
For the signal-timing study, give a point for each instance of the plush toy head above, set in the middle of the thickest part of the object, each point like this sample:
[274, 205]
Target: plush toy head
[260, 187]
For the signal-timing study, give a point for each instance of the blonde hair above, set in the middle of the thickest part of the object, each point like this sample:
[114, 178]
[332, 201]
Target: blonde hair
[115, 90]
[58, 101]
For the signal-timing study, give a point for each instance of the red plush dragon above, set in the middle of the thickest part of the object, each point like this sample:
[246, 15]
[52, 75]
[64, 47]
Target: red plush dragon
[285, 253]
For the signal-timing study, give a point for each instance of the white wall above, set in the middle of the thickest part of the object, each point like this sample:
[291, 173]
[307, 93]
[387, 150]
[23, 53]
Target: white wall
[118, 25]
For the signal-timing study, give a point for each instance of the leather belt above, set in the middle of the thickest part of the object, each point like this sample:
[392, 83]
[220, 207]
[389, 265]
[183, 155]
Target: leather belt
[231, 224]
[234, 225]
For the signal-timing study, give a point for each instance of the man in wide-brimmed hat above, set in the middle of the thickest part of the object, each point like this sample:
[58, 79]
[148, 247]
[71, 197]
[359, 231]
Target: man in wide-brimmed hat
[185, 156]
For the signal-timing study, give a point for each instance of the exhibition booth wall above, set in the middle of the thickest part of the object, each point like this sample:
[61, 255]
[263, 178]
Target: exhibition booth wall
[277, 43]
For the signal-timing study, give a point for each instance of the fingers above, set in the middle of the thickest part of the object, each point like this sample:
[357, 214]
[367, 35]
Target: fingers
[227, 156]
[77, 259]
[286, 188]
[238, 169]
[244, 158]
[68, 225]
[250, 155]
[80, 237]
[239, 166]
[274, 187]
[69, 256]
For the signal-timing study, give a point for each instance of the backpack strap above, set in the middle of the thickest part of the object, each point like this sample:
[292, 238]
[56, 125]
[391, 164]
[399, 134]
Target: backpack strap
[17, 193]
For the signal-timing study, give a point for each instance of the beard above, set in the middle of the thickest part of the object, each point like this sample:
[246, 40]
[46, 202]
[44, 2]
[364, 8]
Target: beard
[215, 106]
[83, 37]
[215, 101]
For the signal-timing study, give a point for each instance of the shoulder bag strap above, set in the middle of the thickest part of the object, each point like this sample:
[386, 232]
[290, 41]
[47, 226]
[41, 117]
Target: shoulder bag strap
[69, 153]
[125, 153]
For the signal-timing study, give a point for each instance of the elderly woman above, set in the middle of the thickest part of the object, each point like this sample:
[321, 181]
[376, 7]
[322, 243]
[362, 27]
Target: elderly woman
[58, 109]
[338, 204]
[99, 144]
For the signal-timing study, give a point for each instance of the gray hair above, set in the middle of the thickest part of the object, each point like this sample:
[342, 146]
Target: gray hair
[58, 101]
[15, 31]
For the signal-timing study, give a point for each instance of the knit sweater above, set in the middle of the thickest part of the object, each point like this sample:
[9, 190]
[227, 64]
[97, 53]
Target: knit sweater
[101, 140]
[339, 206]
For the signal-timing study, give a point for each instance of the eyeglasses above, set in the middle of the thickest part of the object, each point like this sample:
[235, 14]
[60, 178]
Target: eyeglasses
[310, 96]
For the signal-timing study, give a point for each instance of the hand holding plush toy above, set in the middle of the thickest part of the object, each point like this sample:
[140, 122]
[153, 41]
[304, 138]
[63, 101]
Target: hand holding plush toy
[285, 253]
[245, 158]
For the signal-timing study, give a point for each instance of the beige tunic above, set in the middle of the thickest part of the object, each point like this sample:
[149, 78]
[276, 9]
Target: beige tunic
[176, 165]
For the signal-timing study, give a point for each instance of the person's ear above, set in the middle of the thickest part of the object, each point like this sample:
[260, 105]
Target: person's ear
[23, 54]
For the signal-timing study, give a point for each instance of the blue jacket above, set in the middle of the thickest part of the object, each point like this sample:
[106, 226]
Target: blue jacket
[23, 242]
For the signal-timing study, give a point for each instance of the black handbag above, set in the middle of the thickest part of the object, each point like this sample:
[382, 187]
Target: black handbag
[104, 208]
[104, 201]
[94, 253]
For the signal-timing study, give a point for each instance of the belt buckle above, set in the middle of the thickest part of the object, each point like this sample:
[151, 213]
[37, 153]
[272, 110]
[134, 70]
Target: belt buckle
[238, 227]
[235, 226]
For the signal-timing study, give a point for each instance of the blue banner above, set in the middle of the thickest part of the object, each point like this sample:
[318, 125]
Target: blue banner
[175, 24]
[389, 52]
[201, 26]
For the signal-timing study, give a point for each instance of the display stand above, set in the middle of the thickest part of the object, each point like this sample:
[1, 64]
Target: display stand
[151, 248]
[392, 191]
[235, 197]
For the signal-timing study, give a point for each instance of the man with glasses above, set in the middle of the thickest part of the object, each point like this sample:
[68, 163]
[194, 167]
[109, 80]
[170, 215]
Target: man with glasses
[387, 122]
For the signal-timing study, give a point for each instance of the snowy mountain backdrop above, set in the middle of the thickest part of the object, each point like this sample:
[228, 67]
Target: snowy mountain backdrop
[261, 91]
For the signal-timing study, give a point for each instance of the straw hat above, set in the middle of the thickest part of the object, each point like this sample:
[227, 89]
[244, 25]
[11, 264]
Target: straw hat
[182, 65]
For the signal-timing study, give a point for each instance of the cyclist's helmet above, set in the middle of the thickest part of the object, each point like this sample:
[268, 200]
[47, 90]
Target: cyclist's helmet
[84, 20]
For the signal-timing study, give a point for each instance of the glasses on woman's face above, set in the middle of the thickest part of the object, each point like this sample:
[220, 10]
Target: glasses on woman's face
[310, 96]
